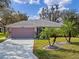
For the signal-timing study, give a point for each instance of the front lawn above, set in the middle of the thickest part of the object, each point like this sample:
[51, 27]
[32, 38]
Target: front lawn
[68, 51]
[2, 37]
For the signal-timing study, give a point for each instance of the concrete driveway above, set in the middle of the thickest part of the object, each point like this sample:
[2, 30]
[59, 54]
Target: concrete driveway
[17, 49]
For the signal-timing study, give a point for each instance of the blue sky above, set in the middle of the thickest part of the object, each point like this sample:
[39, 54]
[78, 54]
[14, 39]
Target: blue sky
[33, 7]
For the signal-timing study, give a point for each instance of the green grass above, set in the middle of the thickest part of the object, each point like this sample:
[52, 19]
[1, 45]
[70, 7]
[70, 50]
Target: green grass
[68, 51]
[2, 37]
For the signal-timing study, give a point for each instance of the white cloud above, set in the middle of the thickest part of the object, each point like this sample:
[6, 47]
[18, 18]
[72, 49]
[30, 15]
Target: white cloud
[34, 17]
[21, 1]
[27, 1]
[61, 3]
[63, 8]
[52, 2]
[34, 1]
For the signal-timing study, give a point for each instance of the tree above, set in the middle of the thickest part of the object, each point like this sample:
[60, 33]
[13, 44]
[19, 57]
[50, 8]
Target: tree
[52, 14]
[55, 13]
[13, 17]
[55, 33]
[43, 13]
[69, 15]
[70, 18]
[4, 6]
[50, 32]
[46, 34]
[69, 29]
[5, 3]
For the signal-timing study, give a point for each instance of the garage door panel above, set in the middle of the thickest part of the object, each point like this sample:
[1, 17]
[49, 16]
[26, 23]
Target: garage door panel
[22, 33]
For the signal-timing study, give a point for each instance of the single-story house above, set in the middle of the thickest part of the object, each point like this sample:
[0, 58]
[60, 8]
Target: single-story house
[28, 29]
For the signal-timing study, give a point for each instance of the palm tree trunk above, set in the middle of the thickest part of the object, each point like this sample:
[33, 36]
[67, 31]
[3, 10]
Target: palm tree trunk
[49, 42]
[54, 40]
[66, 38]
[4, 30]
[69, 37]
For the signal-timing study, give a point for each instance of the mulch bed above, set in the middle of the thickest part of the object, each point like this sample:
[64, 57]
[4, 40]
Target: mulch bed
[56, 46]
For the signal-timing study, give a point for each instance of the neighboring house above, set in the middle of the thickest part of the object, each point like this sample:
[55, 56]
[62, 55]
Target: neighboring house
[28, 29]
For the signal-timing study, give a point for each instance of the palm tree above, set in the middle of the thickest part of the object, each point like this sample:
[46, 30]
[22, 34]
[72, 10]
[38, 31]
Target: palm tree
[55, 32]
[50, 32]
[69, 29]
[46, 34]
[70, 18]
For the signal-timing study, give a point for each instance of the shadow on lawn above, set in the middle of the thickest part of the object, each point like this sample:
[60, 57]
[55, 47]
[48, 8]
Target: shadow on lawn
[75, 43]
[68, 50]
[42, 54]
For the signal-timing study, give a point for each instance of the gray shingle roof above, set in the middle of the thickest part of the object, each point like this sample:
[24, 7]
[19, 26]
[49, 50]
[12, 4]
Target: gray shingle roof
[35, 23]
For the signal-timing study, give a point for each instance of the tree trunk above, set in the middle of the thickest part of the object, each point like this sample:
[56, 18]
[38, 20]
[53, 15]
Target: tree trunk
[54, 40]
[4, 30]
[69, 37]
[49, 42]
[38, 31]
[66, 38]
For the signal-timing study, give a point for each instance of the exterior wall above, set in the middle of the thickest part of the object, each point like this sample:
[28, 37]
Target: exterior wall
[22, 32]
